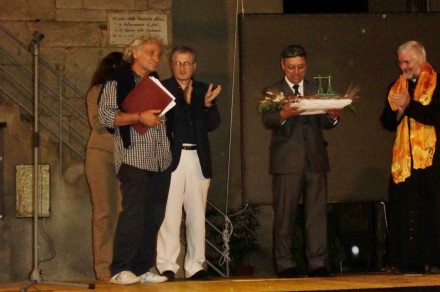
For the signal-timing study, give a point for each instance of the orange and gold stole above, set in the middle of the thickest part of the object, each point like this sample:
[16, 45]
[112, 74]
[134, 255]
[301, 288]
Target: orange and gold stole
[419, 138]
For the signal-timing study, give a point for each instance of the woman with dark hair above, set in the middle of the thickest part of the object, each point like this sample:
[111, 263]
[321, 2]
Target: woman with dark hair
[99, 168]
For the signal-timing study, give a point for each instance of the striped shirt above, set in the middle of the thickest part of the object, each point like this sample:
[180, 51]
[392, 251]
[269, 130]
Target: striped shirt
[150, 151]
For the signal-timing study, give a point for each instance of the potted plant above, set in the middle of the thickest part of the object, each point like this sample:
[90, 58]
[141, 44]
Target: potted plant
[244, 239]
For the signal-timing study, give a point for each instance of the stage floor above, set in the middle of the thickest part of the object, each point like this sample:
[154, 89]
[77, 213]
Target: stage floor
[366, 282]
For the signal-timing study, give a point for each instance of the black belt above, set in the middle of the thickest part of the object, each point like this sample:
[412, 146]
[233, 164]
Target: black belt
[189, 147]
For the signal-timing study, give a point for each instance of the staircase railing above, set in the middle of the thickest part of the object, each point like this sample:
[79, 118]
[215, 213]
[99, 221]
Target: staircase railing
[221, 254]
[60, 115]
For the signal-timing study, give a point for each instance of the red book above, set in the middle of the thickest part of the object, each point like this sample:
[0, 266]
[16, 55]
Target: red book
[148, 94]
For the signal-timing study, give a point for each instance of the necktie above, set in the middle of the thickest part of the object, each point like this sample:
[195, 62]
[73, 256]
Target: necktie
[295, 89]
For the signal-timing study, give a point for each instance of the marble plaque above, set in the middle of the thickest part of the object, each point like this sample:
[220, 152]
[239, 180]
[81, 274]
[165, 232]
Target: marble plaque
[123, 27]
[25, 190]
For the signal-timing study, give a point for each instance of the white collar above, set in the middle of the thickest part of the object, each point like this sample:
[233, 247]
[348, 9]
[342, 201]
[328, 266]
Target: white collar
[301, 85]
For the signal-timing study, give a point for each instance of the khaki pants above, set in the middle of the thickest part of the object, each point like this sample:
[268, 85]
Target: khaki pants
[106, 204]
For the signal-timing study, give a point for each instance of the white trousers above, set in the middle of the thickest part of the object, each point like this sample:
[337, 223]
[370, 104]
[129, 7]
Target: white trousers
[188, 189]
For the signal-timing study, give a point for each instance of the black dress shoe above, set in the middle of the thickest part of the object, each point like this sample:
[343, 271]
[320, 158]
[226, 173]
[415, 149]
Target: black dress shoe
[169, 274]
[289, 273]
[320, 272]
[200, 275]
[396, 270]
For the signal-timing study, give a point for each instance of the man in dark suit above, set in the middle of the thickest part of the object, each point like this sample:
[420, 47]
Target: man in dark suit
[188, 124]
[299, 165]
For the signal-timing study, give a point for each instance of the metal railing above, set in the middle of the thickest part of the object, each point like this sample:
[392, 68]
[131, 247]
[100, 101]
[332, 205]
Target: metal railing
[60, 115]
[222, 256]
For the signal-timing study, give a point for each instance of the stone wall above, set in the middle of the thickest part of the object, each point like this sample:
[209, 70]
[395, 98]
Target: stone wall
[76, 32]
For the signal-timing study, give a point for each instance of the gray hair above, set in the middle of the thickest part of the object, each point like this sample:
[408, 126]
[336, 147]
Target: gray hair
[414, 46]
[182, 50]
[136, 44]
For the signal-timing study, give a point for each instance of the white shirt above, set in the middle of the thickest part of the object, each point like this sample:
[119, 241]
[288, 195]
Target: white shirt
[300, 88]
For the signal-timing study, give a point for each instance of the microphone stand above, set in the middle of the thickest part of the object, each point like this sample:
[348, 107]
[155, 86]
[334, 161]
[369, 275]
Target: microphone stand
[38, 37]
[36, 273]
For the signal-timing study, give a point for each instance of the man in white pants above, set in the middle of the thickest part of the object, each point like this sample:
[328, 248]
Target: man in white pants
[188, 124]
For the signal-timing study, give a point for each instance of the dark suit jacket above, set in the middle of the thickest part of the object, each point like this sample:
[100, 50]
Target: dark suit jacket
[204, 120]
[299, 139]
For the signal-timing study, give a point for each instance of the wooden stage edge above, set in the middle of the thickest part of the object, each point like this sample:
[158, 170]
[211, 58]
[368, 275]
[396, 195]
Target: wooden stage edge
[364, 282]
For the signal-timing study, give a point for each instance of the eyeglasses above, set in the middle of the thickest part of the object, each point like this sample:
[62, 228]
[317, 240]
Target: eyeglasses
[299, 68]
[182, 64]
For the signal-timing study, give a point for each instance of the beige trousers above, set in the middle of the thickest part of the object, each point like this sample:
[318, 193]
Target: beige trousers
[106, 204]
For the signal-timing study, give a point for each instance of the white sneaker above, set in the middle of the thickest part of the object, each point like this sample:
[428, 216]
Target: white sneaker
[125, 278]
[152, 278]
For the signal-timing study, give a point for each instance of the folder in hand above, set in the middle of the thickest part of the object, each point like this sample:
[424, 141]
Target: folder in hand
[148, 94]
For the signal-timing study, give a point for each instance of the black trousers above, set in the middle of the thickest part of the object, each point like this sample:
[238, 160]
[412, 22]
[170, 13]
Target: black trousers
[144, 198]
[414, 220]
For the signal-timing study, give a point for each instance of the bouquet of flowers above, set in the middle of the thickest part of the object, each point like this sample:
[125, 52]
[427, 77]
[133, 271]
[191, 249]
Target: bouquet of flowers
[274, 100]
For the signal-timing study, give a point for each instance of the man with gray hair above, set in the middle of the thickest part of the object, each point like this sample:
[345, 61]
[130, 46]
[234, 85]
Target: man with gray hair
[412, 109]
[142, 164]
[189, 122]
